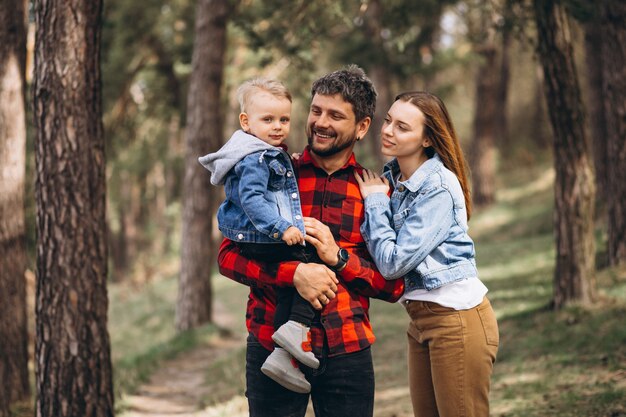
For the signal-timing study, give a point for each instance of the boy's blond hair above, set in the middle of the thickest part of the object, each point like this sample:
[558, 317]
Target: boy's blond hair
[254, 86]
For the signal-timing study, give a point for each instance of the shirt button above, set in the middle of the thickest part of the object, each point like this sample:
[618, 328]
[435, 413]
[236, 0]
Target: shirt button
[294, 195]
[275, 235]
[240, 236]
[289, 173]
[401, 188]
[298, 217]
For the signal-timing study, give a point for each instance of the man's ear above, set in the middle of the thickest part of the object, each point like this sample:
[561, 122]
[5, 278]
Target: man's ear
[363, 126]
[243, 121]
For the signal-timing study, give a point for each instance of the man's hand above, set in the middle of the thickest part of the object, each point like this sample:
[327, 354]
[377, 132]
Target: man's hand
[320, 236]
[316, 283]
[292, 235]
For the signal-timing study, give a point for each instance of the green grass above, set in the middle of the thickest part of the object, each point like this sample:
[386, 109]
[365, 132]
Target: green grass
[566, 363]
[141, 326]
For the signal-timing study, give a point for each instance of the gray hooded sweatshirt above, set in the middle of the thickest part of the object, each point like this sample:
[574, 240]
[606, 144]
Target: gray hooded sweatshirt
[240, 145]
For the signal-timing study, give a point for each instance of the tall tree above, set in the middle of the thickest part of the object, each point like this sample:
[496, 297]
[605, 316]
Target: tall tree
[13, 323]
[506, 29]
[482, 157]
[380, 75]
[203, 134]
[613, 16]
[72, 350]
[488, 111]
[595, 99]
[574, 279]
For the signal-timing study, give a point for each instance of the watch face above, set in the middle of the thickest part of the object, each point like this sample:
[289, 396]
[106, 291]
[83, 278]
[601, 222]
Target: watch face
[343, 254]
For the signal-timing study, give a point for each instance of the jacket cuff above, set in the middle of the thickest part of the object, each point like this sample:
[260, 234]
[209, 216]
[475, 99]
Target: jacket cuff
[279, 228]
[376, 200]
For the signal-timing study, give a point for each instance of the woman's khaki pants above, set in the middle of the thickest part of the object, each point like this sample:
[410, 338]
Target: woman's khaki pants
[451, 355]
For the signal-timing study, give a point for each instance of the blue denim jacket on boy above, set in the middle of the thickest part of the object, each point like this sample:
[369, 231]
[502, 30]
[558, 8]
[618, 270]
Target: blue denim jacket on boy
[421, 231]
[262, 198]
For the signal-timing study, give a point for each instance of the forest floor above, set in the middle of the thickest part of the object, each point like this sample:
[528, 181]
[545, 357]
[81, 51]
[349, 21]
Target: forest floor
[178, 387]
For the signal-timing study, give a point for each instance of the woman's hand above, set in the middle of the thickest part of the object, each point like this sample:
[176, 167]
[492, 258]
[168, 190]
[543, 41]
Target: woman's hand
[320, 236]
[371, 183]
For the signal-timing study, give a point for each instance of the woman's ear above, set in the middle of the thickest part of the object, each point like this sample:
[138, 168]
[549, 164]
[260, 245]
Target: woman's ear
[243, 121]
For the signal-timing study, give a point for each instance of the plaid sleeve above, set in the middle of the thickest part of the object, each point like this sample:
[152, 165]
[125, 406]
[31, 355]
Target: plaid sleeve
[232, 264]
[361, 275]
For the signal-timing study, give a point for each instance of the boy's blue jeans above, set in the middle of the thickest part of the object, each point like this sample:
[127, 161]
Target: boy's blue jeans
[342, 386]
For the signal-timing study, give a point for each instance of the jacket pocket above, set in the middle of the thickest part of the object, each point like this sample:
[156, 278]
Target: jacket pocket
[399, 218]
[277, 175]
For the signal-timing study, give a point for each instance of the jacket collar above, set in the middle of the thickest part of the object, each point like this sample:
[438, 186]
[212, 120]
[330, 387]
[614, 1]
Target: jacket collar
[392, 168]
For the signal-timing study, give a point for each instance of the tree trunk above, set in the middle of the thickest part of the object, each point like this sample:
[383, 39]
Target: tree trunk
[539, 128]
[72, 350]
[203, 135]
[595, 103]
[502, 122]
[13, 317]
[483, 153]
[574, 279]
[614, 60]
[379, 75]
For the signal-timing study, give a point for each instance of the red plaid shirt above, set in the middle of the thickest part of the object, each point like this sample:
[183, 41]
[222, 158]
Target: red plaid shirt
[336, 201]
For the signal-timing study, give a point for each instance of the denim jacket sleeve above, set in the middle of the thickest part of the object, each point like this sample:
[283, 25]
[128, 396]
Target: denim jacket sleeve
[421, 227]
[254, 177]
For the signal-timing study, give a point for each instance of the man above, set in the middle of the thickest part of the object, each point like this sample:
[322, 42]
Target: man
[341, 111]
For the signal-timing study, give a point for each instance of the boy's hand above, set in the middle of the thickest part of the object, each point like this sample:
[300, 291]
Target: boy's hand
[295, 156]
[292, 235]
[371, 183]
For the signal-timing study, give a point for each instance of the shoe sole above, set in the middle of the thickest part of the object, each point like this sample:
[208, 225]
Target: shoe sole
[284, 379]
[294, 350]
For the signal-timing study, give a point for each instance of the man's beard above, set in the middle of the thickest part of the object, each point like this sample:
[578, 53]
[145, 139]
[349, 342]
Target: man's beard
[338, 145]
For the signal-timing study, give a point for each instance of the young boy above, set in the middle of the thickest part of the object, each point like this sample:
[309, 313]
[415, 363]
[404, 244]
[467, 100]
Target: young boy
[262, 213]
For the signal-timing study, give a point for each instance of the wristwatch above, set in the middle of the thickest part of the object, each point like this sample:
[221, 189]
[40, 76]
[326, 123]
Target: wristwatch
[342, 257]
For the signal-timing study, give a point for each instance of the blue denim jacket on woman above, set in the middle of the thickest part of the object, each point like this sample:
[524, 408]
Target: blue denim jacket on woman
[421, 231]
[262, 198]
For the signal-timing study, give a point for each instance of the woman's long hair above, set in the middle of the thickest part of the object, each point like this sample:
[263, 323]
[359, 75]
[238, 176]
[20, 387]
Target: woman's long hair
[444, 141]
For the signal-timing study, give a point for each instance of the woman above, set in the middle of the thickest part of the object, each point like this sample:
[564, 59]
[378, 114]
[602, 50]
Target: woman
[420, 233]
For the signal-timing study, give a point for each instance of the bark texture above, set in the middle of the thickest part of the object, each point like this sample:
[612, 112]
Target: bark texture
[483, 152]
[72, 351]
[614, 61]
[595, 104]
[574, 279]
[203, 134]
[14, 385]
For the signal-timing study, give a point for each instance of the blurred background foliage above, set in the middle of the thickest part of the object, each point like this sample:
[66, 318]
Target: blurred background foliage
[434, 45]
[402, 45]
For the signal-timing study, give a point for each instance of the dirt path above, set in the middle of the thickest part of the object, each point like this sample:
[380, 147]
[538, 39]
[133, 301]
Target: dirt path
[178, 387]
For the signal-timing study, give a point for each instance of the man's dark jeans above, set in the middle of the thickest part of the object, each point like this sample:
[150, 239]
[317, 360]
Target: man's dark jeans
[342, 386]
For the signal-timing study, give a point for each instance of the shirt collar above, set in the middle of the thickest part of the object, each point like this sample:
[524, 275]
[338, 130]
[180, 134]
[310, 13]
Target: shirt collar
[415, 181]
[307, 159]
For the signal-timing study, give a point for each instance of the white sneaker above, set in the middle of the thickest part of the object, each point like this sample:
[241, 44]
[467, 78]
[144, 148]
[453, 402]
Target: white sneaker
[281, 367]
[295, 338]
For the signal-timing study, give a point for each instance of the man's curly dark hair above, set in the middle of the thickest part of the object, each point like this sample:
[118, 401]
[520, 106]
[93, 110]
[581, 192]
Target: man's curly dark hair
[353, 86]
